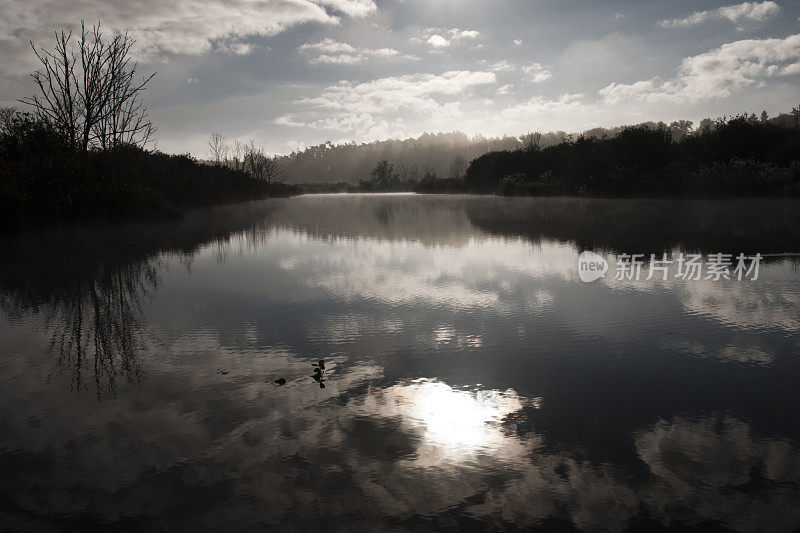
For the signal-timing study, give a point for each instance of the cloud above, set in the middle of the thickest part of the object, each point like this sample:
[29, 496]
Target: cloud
[746, 12]
[236, 47]
[743, 307]
[331, 51]
[696, 462]
[502, 66]
[506, 89]
[352, 8]
[717, 73]
[372, 108]
[536, 73]
[539, 108]
[436, 37]
[387, 93]
[470, 34]
[187, 27]
[437, 41]
[533, 73]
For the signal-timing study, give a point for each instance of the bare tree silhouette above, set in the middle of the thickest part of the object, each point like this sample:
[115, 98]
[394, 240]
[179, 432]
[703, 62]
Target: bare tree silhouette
[218, 149]
[259, 165]
[88, 90]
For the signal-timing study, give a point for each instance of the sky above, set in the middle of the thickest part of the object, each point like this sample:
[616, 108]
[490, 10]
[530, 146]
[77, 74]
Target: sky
[294, 73]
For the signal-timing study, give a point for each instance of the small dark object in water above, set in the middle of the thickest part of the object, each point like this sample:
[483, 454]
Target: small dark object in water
[280, 381]
[319, 373]
[220, 371]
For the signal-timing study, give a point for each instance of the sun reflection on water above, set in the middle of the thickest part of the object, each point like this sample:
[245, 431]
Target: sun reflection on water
[458, 421]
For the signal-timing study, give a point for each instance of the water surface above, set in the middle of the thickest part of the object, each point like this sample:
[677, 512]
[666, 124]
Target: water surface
[471, 380]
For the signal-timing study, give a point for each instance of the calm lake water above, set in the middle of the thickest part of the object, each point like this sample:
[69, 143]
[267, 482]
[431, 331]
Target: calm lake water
[471, 379]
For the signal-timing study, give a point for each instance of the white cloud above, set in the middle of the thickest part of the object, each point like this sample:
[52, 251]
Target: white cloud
[353, 8]
[467, 34]
[746, 12]
[502, 66]
[437, 41]
[539, 108]
[506, 89]
[717, 73]
[536, 73]
[438, 38]
[616, 93]
[401, 91]
[184, 27]
[331, 51]
[329, 46]
[372, 109]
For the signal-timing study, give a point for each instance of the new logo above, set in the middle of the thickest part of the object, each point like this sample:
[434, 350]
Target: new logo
[591, 266]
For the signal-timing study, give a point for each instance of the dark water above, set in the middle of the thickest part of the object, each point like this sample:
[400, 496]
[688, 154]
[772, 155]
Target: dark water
[471, 380]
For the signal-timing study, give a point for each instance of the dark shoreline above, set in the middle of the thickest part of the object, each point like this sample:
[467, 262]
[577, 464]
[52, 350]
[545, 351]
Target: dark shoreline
[44, 183]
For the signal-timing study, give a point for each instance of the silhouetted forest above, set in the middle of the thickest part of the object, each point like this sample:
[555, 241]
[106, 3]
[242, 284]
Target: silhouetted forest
[740, 156]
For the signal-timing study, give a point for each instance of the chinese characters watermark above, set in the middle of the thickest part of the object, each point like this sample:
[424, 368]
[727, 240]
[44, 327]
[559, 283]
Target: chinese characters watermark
[689, 267]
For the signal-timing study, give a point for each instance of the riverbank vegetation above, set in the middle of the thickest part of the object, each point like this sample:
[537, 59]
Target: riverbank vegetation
[83, 148]
[739, 156]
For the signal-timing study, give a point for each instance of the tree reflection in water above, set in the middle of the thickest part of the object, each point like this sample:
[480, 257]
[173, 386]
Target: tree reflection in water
[100, 322]
[90, 286]
[94, 324]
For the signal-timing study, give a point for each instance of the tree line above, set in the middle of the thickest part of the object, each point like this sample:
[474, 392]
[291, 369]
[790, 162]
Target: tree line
[414, 158]
[430, 153]
[742, 155]
[599, 161]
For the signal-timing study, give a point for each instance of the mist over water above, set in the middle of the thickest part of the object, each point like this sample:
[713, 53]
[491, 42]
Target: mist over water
[471, 379]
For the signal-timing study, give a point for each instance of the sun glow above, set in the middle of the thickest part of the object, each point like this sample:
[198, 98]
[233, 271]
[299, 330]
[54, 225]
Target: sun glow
[459, 419]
